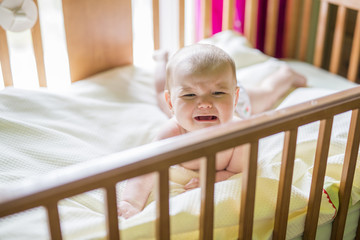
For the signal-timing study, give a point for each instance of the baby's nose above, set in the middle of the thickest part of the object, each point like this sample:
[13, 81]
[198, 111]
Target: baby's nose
[204, 103]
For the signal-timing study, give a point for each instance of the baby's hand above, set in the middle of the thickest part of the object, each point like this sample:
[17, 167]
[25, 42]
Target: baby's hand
[127, 210]
[193, 183]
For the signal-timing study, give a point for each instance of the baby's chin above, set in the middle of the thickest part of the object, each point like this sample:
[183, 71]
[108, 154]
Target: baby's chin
[202, 125]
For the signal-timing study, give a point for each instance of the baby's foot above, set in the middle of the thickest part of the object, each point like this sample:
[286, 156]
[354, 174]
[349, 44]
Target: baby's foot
[297, 79]
[193, 183]
[160, 56]
[127, 210]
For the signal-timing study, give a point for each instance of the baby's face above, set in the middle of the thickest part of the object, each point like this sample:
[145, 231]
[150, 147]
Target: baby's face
[203, 100]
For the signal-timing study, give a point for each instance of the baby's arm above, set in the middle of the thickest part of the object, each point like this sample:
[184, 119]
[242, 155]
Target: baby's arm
[232, 166]
[135, 194]
[219, 176]
[137, 190]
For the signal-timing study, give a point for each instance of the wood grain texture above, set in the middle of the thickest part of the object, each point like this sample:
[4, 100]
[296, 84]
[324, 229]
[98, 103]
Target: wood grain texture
[5, 59]
[250, 25]
[338, 40]
[39, 52]
[156, 23]
[112, 221]
[228, 14]
[272, 16]
[248, 189]
[54, 220]
[162, 204]
[355, 53]
[181, 23]
[292, 22]
[207, 180]
[347, 175]
[320, 34]
[285, 183]
[305, 29]
[318, 175]
[98, 39]
[206, 13]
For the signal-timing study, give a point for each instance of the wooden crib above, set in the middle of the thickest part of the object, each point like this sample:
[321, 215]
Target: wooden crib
[99, 37]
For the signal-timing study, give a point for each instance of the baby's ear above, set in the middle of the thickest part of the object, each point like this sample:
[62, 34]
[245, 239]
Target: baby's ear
[168, 99]
[237, 95]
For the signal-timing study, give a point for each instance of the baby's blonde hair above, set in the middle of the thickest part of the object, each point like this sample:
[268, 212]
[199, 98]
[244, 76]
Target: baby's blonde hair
[198, 59]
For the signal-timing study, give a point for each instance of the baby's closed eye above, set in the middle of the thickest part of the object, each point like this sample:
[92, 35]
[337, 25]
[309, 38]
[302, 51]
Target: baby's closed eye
[188, 95]
[218, 93]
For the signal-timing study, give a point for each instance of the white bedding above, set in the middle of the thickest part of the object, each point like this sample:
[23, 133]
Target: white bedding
[42, 130]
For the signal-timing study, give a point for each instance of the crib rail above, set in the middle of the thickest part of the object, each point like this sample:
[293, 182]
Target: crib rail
[159, 156]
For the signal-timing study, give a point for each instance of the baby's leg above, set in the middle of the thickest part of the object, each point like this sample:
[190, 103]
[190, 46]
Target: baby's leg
[135, 195]
[161, 58]
[274, 87]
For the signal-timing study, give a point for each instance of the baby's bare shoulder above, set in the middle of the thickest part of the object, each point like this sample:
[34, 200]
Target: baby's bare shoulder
[170, 129]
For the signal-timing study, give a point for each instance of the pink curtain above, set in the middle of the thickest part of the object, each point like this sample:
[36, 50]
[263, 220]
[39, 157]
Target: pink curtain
[217, 7]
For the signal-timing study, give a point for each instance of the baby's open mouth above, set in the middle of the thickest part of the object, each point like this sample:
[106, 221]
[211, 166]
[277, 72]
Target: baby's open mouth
[206, 118]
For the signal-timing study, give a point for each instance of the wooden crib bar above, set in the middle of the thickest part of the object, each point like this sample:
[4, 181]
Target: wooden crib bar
[347, 176]
[112, 221]
[54, 220]
[320, 37]
[317, 182]
[5, 59]
[38, 52]
[338, 39]
[285, 183]
[355, 53]
[228, 15]
[248, 193]
[272, 13]
[207, 179]
[156, 23]
[162, 205]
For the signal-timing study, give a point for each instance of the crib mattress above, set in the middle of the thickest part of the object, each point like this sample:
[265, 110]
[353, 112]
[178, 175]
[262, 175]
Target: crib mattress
[48, 132]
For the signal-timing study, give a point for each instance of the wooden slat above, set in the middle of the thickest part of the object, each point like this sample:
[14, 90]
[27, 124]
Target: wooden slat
[206, 9]
[98, 39]
[251, 8]
[355, 53]
[181, 23]
[54, 221]
[347, 175]
[248, 193]
[156, 23]
[271, 27]
[5, 59]
[38, 51]
[320, 35]
[162, 205]
[285, 182]
[305, 29]
[207, 180]
[111, 213]
[338, 40]
[291, 28]
[228, 14]
[317, 182]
